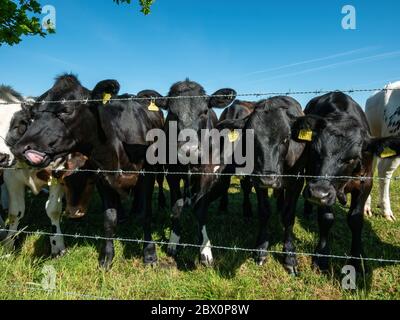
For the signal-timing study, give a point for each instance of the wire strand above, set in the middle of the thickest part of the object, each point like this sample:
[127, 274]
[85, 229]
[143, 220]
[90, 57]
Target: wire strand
[191, 245]
[254, 94]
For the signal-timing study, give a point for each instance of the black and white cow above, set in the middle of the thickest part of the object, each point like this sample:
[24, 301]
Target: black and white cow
[238, 110]
[110, 133]
[339, 144]
[383, 114]
[277, 158]
[15, 119]
[194, 113]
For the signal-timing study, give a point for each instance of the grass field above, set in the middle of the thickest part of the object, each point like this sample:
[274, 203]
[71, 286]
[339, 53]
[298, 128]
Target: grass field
[233, 276]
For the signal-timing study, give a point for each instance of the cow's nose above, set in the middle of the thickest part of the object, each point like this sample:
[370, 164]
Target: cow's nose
[269, 180]
[322, 194]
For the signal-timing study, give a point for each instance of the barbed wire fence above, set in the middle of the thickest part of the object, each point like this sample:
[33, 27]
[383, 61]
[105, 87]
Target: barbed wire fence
[243, 95]
[35, 287]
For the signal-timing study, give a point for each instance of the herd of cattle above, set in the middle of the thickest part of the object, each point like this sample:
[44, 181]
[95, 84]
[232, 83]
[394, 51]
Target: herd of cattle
[333, 142]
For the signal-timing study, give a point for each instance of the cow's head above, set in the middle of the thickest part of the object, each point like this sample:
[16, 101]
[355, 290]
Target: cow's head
[11, 113]
[274, 150]
[338, 147]
[193, 113]
[78, 186]
[61, 124]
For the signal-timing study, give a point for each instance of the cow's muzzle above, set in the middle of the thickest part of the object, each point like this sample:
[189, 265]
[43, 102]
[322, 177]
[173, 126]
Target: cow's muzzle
[268, 180]
[320, 193]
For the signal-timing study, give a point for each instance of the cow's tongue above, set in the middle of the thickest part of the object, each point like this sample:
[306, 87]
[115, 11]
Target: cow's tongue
[35, 157]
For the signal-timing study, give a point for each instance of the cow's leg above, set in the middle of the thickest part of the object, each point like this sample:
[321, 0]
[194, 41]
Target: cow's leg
[292, 194]
[177, 203]
[368, 204]
[308, 209]
[111, 200]
[355, 220]
[4, 204]
[225, 184]
[162, 203]
[246, 187]
[201, 212]
[149, 248]
[16, 210]
[264, 212]
[4, 198]
[386, 168]
[325, 222]
[54, 210]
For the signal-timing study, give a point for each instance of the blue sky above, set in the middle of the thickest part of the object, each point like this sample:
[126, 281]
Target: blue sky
[251, 46]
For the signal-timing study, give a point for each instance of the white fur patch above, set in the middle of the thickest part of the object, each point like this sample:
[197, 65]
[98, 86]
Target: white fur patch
[173, 241]
[205, 250]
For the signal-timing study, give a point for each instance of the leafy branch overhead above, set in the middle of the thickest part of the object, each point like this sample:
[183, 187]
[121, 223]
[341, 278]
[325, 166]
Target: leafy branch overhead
[22, 18]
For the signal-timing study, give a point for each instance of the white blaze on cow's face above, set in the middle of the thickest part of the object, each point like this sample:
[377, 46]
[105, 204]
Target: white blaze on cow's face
[7, 112]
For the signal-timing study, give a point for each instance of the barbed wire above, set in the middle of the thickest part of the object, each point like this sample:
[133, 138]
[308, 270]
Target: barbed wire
[191, 245]
[254, 94]
[196, 173]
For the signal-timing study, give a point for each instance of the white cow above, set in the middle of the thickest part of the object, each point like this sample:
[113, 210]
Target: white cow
[383, 114]
[17, 180]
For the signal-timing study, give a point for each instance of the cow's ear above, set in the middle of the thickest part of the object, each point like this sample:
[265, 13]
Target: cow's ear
[153, 96]
[232, 124]
[384, 147]
[105, 89]
[222, 98]
[304, 129]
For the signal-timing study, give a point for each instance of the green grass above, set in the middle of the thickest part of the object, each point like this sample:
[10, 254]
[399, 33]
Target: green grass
[233, 276]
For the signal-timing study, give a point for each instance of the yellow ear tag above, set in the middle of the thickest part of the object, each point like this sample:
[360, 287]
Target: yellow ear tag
[305, 135]
[388, 152]
[233, 135]
[106, 98]
[153, 107]
[52, 182]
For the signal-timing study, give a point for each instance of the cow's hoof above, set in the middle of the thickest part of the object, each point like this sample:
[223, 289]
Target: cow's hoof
[290, 264]
[150, 254]
[206, 261]
[292, 271]
[367, 211]
[389, 216]
[59, 254]
[261, 259]
[105, 263]
[150, 259]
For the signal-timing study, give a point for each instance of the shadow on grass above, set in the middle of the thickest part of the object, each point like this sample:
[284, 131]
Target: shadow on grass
[228, 229]
[340, 244]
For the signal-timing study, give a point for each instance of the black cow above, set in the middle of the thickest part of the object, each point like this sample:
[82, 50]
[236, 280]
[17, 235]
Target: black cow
[238, 110]
[339, 144]
[193, 113]
[277, 158]
[112, 134]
